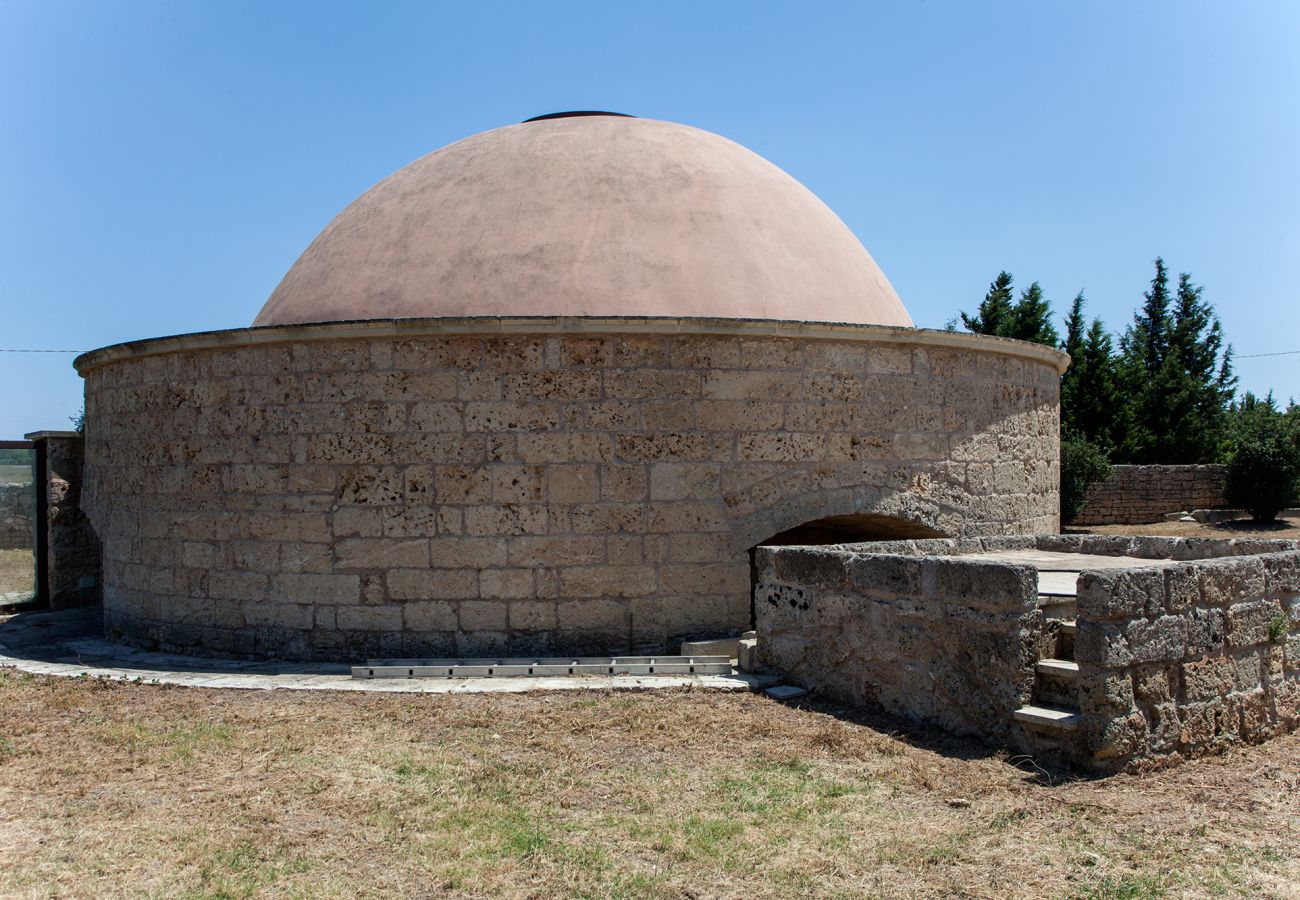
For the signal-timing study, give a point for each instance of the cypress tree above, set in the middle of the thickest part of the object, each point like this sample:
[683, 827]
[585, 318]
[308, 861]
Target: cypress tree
[1090, 401]
[1031, 318]
[1027, 319]
[1176, 375]
[1144, 375]
[1076, 374]
[994, 313]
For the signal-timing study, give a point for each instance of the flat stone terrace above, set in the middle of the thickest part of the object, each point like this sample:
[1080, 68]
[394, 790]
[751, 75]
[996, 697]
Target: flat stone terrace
[67, 643]
[1058, 572]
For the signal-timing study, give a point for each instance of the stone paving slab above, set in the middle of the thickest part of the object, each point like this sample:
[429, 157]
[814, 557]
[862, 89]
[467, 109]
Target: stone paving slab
[1053, 561]
[65, 643]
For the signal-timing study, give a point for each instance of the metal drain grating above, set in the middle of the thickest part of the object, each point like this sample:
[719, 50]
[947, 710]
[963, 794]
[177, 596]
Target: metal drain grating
[537, 668]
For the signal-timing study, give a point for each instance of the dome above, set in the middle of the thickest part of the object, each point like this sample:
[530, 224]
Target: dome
[587, 215]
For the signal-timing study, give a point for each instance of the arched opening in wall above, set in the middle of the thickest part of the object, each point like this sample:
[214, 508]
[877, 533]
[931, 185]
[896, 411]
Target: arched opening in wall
[849, 529]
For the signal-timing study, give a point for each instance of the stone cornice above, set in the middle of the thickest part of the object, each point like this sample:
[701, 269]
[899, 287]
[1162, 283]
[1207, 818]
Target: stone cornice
[576, 325]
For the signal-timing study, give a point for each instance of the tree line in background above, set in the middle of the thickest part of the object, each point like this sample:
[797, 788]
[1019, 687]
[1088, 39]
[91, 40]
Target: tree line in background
[1162, 392]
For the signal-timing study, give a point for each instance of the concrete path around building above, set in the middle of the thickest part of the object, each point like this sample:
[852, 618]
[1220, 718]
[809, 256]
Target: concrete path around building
[1058, 573]
[67, 643]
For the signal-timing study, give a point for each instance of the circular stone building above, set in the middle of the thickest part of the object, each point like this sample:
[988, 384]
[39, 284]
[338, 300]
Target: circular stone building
[540, 393]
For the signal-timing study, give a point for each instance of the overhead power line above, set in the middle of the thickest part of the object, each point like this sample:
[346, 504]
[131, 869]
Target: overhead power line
[1257, 355]
[5, 350]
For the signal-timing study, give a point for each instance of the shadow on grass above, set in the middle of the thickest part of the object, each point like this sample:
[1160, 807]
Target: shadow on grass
[1043, 770]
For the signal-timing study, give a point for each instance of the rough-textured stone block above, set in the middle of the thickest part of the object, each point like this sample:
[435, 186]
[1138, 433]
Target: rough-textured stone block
[1101, 644]
[1208, 678]
[1121, 593]
[1282, 573]
[1229, 581]
[1248, 622]
[376, 553]
[432, 584]
[1182, 588]
[820, 569]
[1105, 693]
[1157, 640]
[985, 583]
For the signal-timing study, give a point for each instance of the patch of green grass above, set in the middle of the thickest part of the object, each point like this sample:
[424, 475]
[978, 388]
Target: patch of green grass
[787, 789]
[181, 742]
[1278, 629]
[244, 871]
[1127, 887]
[1005, 819]
[709, 836]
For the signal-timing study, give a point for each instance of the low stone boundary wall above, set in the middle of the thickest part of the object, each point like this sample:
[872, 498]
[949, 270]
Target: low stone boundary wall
[1174, 661]
[950, 642]
[1184, 660]
[1135, 495]
[17, 507]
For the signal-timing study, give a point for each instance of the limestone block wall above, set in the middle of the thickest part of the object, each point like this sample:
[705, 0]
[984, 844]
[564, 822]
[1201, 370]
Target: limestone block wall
[1186, 660]
[444, 487]
[17, 507]
[942, 640]
[72, 567]
[1135, 495]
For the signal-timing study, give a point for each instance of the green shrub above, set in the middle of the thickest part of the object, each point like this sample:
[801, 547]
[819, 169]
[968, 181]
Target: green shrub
[1278, 629]
[1264, 471]
[1082, 464]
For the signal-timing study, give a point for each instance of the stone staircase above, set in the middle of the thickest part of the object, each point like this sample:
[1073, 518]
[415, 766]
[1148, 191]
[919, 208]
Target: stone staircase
[1053, 716]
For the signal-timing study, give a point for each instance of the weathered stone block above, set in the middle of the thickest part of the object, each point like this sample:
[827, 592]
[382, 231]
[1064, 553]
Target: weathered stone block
[482, 615]
[1208, 678]
[572, 484]
[381, 553]
[370, 618]
[993, 585]
[1101, 644]
[1157, 640]
[505, 584]
[432, 584]
[1282, 573]
[1248, 622]
[1105, 693]
[1112, 738]
[890, 575]
[811, 568]
[607, 581]
[430, 615]
[1229, 581]
[1182, 588]
[592, 615]
[1121, 593]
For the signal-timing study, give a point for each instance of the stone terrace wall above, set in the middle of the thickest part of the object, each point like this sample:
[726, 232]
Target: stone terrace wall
[17, 507]
[1186, 660]
[1135, 495]
[530, 494]
[946, 641]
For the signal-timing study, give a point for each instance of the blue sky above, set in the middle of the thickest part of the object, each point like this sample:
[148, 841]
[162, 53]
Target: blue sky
[162, 164]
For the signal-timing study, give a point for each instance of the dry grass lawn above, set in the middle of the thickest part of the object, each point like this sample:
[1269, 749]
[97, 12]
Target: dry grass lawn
[111, 789]
[17, 571]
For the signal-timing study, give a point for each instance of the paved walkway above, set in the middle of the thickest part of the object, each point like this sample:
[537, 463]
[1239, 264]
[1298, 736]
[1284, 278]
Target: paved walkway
[68, 643]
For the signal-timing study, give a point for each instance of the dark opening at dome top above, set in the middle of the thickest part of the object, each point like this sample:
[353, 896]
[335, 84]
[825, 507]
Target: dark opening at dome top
[576, 113]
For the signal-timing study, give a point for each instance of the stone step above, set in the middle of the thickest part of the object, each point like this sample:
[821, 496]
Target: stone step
[1055, 719]
[1058, 584]
[1057, 607]
[1066, 626]
[1065, 669]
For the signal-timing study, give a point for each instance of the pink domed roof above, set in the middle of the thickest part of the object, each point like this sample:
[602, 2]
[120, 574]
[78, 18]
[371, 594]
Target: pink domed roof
[590, 215]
